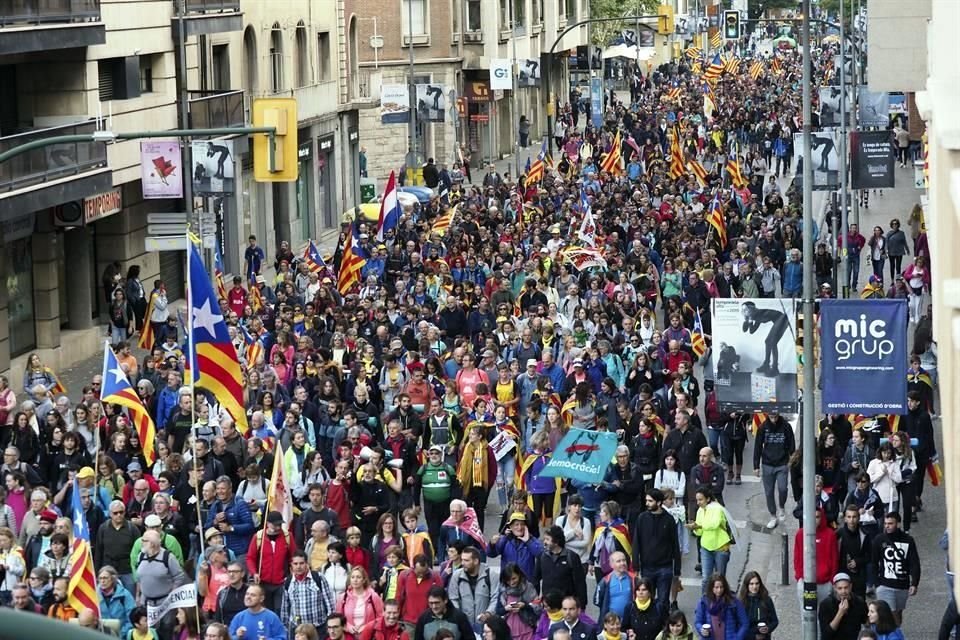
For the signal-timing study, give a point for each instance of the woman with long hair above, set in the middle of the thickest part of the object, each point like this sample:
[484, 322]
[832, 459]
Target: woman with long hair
[761, 613]
[712, 528]
[495, 628]
[360, 603]
[900, 440]
[720, 615]
[882, 621]
[188, 624]
[676, 627]
[387, 535]
[884, 472]
[829, 456]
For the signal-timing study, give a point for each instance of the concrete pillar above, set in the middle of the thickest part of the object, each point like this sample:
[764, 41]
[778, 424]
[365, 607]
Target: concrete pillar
[80, 303]
[4, 320]
[46, 297]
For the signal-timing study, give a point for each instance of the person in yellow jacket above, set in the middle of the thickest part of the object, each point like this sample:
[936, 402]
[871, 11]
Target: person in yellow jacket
[713, 529]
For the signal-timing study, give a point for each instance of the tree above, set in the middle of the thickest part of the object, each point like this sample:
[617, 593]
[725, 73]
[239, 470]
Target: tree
[604, 32]
[758, 9]
[832, 8]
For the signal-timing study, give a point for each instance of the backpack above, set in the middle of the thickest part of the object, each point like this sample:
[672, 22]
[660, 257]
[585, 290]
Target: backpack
[317, 580]
[163, 557]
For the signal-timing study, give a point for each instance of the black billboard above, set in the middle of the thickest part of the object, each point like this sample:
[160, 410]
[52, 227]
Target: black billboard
[871, 159]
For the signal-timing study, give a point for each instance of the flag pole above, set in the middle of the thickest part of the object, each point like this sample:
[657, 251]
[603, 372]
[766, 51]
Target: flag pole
[193, 380]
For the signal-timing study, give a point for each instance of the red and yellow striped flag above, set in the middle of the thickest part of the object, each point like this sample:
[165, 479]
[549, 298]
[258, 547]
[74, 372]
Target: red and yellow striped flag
[756, 70]
[82, 585]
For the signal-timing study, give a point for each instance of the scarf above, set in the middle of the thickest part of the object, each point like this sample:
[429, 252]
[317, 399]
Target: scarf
[469, 526]
[642, 606]
[555, 616]
[473, 466]
[716, 610]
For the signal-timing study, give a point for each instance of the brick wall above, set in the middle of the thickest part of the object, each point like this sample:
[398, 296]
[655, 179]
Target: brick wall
[389, 26]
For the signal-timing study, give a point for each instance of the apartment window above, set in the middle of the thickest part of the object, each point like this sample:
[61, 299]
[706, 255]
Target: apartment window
[303, 61]
[504, 15]
[220, 60]
[146, 74]
[474, 22]
[323, 52]
[571, 10]
[519, 13]
[536, 17]
[276, 58]
[415, 10]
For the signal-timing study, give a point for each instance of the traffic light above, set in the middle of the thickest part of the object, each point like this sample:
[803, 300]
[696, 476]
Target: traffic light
[665, 20]
[731, 25]
[280, 113]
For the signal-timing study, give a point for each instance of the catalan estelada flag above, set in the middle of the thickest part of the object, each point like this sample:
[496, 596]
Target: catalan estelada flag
[146, 339]
[117, 390]
[733, 169]
[443, 222]
[351, 264]
[676, 156]
[82, 587]
[715, 70]
[537, 169]
[776, 66]
[252, 348]
[699, 171]
[611, 161]
[217, 366]
[58, 387]
[313, 259]
[697, 340]
[715, 219]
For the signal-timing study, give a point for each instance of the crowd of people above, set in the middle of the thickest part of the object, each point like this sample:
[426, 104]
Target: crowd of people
[384, 399]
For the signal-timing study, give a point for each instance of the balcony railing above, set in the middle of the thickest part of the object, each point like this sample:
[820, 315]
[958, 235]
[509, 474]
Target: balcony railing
[50, 163]
[209, 6]
[210, 109]
[20, 12]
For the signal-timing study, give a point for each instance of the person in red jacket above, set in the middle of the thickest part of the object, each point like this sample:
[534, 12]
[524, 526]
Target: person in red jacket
[412, 589]
[387, 626]
[268, 557]
[828, 557]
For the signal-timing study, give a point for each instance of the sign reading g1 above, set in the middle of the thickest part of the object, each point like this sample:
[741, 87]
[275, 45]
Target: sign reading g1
[864, 356]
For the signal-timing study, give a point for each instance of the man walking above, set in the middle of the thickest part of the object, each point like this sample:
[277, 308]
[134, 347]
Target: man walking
[897, 565]
[775, 443]
[307, 596]
[656, 547]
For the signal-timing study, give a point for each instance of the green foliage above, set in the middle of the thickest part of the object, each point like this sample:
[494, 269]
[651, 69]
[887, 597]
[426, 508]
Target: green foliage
[604, 32]
[757, 8]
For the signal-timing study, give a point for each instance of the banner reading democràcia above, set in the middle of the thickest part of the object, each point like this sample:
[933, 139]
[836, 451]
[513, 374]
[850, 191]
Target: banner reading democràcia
[754, 354]
[582, 455]
[864, 354]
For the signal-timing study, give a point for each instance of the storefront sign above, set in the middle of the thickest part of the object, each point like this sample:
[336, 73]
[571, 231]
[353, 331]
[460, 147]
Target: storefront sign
[304, 151]
[476, 91]
[501, 73]
[353, 134]
[325, 143]
[102, 205]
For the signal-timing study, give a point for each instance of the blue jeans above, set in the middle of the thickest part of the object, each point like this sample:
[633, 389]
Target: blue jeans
[853, 271]
[662, 579]
[713, 562]
[713, 439]
[505, 471]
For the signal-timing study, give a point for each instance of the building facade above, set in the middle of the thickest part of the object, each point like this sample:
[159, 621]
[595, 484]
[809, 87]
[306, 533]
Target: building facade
[70, 210]
[453, 44]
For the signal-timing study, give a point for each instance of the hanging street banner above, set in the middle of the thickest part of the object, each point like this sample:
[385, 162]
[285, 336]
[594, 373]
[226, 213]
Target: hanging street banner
[501, 73]
[864, 347]
[394, 104]
[213, 167]
[431, 102]
[871, 159]
[582, 455]
[529, 73]
[874, 110]
[160, 172]
[755, 358]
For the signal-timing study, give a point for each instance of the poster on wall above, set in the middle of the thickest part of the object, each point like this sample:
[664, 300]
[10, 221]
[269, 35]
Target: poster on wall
[755, 360]
[826, 159]
[864, 339]
[431, 102]
[871, 156]
[897, 110]
[529, 73]
[394, 104]
[213, 167]
[161, 172]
